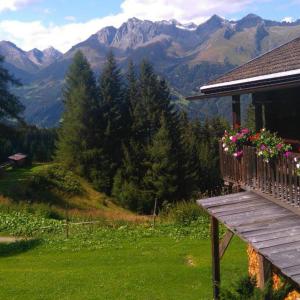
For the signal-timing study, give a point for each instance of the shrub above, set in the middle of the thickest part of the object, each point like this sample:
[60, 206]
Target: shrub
[245, 288]
[58, 178]
[183, 213]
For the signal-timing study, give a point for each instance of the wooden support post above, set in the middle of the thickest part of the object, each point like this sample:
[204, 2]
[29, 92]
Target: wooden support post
[258, 116]
[264, 272]
[215, 258]
[236, 111]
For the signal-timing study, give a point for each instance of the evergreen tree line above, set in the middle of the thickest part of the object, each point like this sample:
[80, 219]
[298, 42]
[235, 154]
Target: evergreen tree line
[15, 135]
[123, 134]
[37, 143]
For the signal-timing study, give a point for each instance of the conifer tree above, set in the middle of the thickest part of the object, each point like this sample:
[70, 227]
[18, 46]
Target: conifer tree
[10, 106]
[161, 175]
[113, 113]
[78, 143]
[154, 100]
[128, 182]
[188, 171]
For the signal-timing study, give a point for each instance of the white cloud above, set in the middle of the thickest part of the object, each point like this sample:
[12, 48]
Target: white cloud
[14, 4]
[35, 34]
[70, 18]
[288, 19]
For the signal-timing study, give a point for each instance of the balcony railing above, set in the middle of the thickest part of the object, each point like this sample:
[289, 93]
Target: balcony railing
[278, 178]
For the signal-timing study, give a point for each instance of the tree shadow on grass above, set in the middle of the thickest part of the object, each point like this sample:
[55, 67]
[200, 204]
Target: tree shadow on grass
[18, 247]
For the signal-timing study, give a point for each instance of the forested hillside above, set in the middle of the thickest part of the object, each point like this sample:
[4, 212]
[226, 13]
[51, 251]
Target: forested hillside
[124, 136]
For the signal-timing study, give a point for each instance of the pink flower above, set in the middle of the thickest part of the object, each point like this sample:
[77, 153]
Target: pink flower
[234, 139]
[279, 146]
[287, 154]
[263, 147]
[245, 131]
[238, 154]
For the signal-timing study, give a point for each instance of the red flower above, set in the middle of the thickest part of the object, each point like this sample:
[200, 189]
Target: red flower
[255, 137]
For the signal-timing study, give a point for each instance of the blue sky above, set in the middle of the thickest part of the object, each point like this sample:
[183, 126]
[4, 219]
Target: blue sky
[63, 23]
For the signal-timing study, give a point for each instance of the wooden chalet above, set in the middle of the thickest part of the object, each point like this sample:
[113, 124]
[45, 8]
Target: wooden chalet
[266, 211]
[18, 159]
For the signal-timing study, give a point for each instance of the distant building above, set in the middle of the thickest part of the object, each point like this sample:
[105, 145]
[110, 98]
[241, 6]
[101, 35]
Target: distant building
[18, 159]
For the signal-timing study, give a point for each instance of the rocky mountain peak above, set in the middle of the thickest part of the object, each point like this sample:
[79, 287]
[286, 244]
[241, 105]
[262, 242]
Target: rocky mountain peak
[52, 52]
[251, 20]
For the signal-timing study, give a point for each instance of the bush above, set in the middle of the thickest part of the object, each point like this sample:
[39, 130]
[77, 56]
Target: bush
[38, 209]
[183, 213]
[245, 288]
[58, 178]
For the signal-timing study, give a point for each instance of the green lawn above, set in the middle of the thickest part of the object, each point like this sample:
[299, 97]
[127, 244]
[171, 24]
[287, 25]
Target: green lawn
[114, 260]
[149, 268]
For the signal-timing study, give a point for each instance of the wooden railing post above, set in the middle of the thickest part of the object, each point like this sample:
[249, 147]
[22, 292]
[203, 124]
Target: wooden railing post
[215, 258]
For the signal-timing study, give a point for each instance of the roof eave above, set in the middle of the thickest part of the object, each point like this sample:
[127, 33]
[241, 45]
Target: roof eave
[248, 88]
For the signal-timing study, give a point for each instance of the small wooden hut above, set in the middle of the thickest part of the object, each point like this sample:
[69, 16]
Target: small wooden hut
[266, 211]
[18, 159]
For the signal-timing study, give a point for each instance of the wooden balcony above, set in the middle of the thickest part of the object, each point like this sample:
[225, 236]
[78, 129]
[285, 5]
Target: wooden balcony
[277, 180]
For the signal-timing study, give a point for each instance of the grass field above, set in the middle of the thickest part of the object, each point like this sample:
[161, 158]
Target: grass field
[149, 268]
[90, 204]
[122, 257]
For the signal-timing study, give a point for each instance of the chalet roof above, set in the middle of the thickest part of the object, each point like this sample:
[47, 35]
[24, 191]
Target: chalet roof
[17, 157]
[281, 59]
[272, 69]
[271, 229]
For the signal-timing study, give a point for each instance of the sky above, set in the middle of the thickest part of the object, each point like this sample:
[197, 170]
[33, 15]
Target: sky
[63, 23]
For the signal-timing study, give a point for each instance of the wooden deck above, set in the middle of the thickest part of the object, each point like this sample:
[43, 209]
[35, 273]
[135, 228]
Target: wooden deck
[271, 229]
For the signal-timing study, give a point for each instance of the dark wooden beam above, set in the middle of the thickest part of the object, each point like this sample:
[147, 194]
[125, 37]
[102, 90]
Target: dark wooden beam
[236, 111]
[258, 116]
[215, 258]
[223, 245]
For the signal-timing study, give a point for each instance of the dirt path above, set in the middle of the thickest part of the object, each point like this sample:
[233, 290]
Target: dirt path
[10, 239]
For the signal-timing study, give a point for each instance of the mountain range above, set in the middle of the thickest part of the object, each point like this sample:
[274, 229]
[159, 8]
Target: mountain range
[187, 55]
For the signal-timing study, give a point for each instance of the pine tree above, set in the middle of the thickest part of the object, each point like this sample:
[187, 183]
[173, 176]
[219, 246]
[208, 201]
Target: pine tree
[188, 172]
[78, 142]
[161, 175]
[128, 182]
[154, 100]
[114, 125]
[10, 106]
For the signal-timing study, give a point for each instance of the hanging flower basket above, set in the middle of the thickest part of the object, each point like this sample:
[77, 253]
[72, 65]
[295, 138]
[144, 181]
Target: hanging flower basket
[268, 145]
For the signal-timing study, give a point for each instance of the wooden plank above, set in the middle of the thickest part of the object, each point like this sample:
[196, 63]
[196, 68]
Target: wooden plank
[240, 210]
[271, 224]
[296, 278]
[275, 235]
[281, 248]
[276, 242]
[215, 258]
[257, 215]
[269, 231]
[238, 205]
[228, 199]
[228, 202]
[253, 221]
[223, 245]
[292, 271]
[285, 260]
